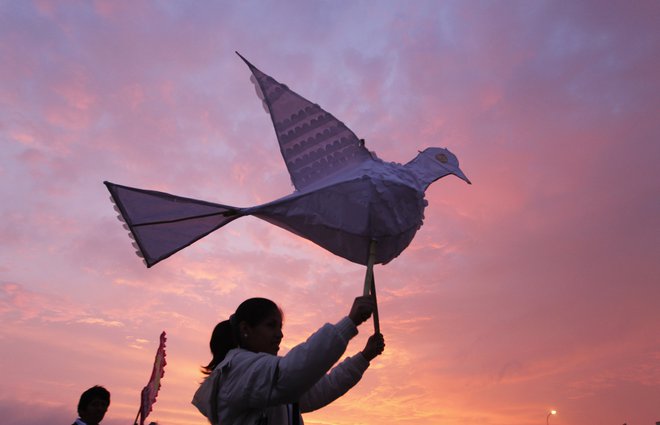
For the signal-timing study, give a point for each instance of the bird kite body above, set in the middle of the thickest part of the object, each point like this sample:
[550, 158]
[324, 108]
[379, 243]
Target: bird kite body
[345, 196]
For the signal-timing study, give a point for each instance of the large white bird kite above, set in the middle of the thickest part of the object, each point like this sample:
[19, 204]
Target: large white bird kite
[346, 200]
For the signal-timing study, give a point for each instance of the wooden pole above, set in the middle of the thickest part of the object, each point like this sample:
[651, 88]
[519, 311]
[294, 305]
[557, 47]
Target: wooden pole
[368, 278]
[373, 293]
[370, 282]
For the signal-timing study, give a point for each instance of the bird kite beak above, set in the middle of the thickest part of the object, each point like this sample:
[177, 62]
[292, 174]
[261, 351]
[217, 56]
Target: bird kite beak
[458, 173]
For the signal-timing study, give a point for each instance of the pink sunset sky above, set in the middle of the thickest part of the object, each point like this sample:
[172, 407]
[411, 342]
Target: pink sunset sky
[535, 288]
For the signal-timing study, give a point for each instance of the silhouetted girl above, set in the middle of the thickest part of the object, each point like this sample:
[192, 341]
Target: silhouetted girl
[249, 384]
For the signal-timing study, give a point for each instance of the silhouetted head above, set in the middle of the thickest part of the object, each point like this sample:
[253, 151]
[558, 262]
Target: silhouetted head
[256, 326]
[434, 163]
[93, 404]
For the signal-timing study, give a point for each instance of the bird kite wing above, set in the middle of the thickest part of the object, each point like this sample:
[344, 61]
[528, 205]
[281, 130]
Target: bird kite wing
[162, 224]
[313, 142]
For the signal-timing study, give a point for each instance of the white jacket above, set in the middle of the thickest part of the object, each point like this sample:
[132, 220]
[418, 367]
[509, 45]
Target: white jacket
[248, 384]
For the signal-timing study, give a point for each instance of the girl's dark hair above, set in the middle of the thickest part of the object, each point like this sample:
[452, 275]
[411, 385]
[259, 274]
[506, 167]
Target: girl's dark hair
[225, 334]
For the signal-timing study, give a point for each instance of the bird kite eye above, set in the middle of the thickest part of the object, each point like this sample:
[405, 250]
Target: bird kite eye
[441, 157]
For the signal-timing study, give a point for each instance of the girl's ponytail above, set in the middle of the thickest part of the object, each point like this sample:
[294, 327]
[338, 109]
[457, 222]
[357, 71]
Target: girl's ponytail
[222, 340]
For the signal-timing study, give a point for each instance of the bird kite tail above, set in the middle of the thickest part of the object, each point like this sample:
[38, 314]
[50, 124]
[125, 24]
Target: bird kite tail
[161, 224]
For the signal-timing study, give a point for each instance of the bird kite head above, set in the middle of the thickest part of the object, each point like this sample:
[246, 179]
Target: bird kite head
[434, 163]
[448, 161]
